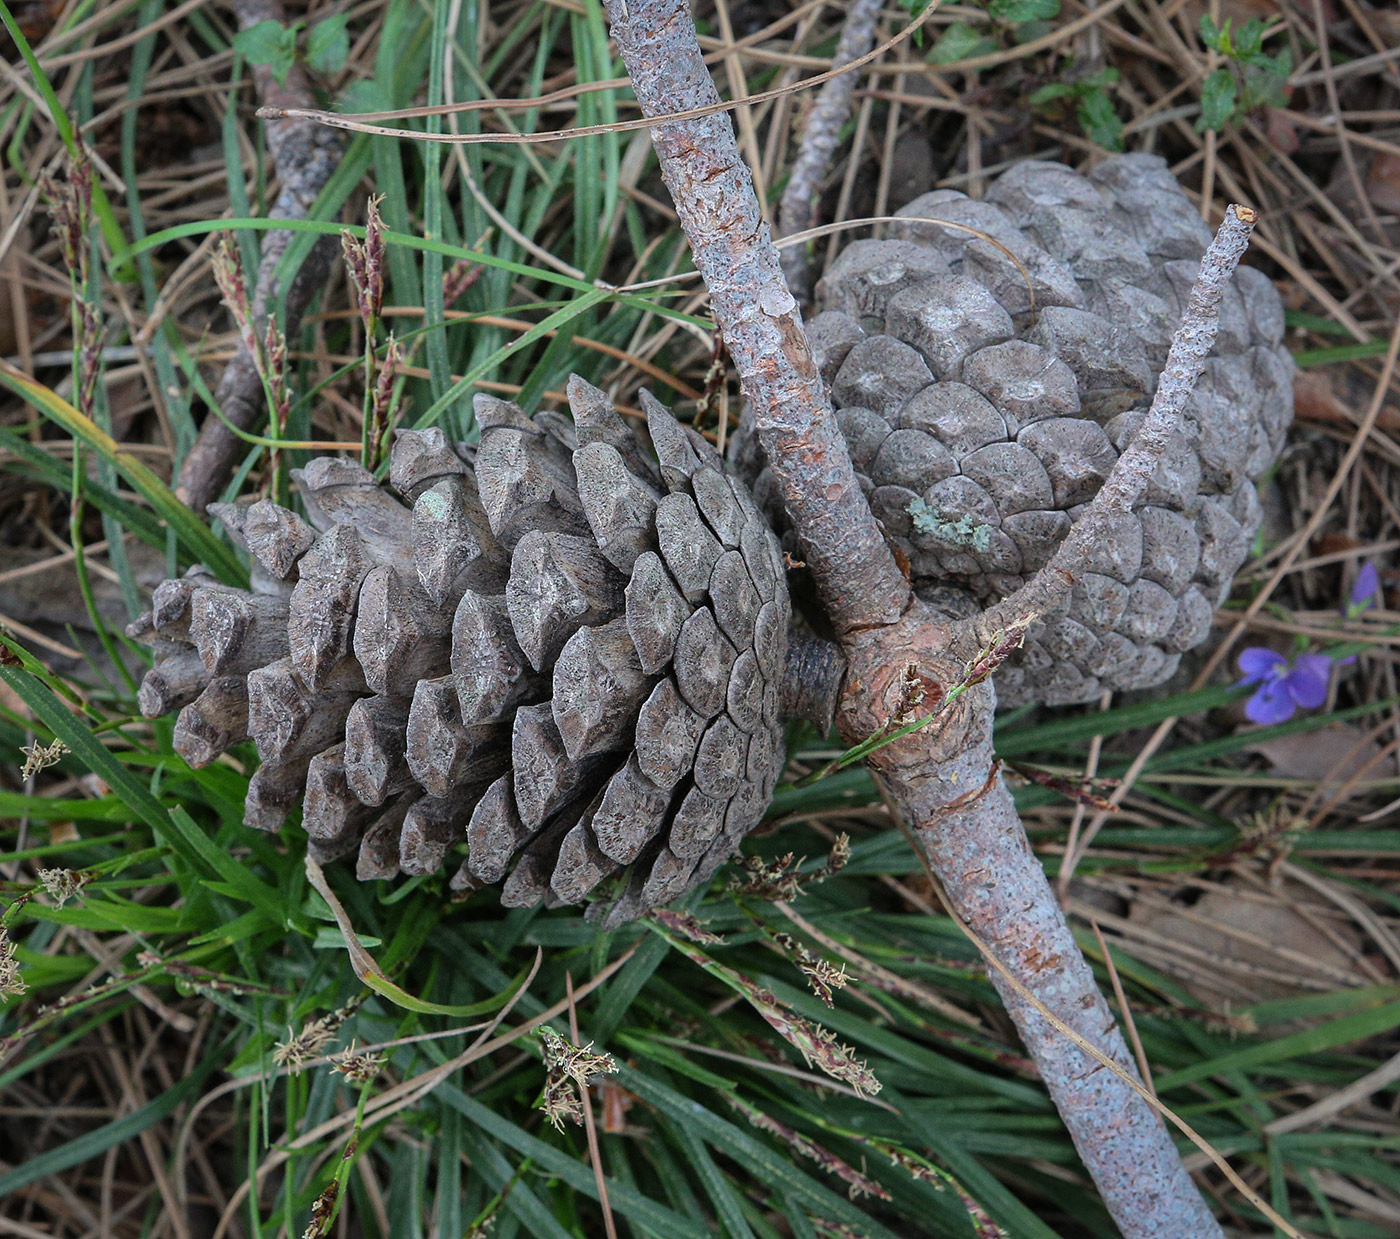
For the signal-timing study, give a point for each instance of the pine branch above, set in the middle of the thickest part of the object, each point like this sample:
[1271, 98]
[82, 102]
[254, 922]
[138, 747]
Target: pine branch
[712, 188]
[941, 778]
[305, 155]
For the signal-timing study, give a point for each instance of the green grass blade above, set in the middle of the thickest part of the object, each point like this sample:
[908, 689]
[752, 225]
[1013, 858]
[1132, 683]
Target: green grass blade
[576, 1173]
[99, 759]
[1344, 1031]
[192, 532]
[133, 519]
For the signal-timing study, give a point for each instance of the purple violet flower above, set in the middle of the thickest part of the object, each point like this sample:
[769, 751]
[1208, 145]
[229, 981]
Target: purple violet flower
[1283, 686]
[1363, 591]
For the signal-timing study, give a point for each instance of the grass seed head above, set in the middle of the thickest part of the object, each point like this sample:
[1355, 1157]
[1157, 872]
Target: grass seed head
[39, 757]
[12, 985]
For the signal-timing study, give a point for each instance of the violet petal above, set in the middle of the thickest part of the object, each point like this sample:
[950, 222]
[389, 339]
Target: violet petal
[1307, 681]
[1259, 663]
[1364, 589]
[1270, 704]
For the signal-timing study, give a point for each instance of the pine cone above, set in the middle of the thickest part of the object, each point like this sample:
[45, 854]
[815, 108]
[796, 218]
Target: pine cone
[564, 653]
[981, 422]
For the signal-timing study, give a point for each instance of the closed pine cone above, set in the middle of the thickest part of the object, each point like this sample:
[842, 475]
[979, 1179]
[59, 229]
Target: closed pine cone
[564, 652]
[981, 422]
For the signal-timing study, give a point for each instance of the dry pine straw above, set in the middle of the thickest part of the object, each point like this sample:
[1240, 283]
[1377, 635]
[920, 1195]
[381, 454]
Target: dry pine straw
[1325, 174]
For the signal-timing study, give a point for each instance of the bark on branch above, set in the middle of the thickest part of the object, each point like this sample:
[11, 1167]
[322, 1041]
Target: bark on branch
[942, 780]
[1191, 345]
[860, 583]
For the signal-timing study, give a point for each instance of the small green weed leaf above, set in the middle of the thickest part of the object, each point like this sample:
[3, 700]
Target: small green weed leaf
[1249, 39]
[328, 45]
[260, 44]
[1029, 32]
[961, 42]
[1100, 122]
[1051, 90]
[1217, 100]
[914, 8]
[1024, 10]
[269, 43]
[1217, 38]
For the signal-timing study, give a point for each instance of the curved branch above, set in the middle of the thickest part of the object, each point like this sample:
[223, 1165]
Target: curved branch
[1123, 1143]
[944, 783]
[855, 571]
[812, 677]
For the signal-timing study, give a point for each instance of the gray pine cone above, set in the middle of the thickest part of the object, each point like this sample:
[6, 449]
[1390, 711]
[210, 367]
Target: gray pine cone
[560, 651]
[981, 423]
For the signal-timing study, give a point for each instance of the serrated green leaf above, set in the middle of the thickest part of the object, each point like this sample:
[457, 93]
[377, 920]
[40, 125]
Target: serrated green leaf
[1216, 37]
[1051, 90]
[260, 44]
[1099, 121]
[268, 43]
[1249, 39]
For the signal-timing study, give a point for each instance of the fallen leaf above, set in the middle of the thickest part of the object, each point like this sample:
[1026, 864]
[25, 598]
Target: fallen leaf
[1330, 757]
[1285, 944]
[1282, 129]
[1315, 401]
[1383, 181]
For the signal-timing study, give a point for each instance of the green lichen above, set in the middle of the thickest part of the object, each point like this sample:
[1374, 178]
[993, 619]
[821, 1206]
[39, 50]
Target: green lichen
[961, 531]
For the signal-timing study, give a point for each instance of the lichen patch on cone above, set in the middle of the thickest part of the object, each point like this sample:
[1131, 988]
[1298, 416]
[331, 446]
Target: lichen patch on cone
[553, 650]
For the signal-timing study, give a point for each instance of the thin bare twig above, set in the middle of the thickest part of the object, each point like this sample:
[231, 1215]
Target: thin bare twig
[364, 122]
[1190, 346]
[798, 208]
[305, 155]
